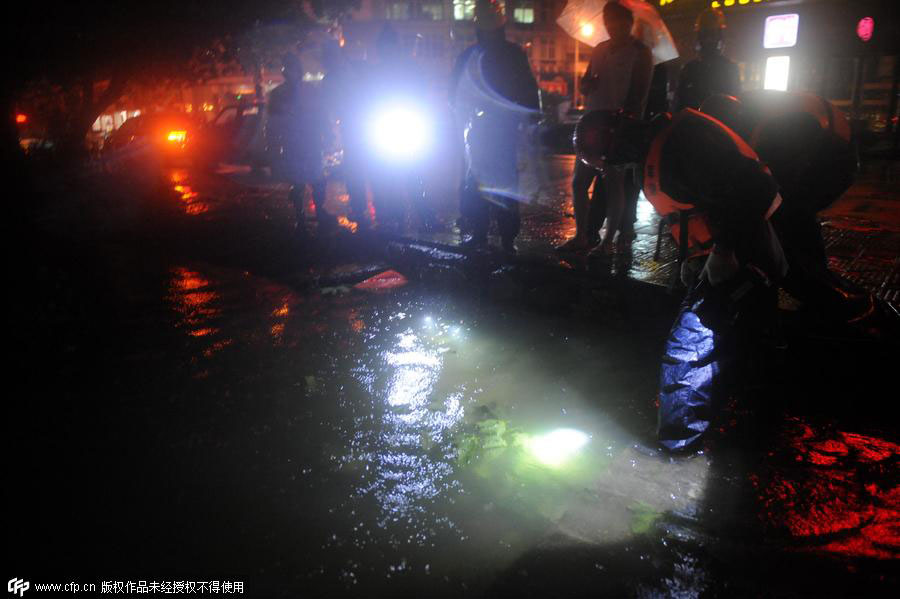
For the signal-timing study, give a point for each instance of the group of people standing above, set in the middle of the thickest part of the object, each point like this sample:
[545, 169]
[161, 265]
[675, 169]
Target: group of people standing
[301, 118]
[307, 119]
[621, 76]
[739, 179]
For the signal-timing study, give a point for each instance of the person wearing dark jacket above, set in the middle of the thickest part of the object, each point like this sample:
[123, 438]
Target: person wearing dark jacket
[341, 93]
[297, 131]
[711, 72]
[805, 140]
[506, 93]
[718, 196]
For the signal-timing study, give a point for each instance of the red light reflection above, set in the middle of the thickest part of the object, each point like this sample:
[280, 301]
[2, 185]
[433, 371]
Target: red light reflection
[828, 487]
[192, 205]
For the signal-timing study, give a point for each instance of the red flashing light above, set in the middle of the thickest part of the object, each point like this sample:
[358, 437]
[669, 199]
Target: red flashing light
[865, 28]
[21, 118]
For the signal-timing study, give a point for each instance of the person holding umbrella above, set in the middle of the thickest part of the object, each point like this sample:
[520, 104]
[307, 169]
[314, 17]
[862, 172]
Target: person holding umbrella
[618, 78]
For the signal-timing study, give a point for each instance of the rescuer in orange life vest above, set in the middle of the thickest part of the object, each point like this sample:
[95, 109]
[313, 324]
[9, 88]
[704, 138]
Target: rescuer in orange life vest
[805, 141]
[718, 198]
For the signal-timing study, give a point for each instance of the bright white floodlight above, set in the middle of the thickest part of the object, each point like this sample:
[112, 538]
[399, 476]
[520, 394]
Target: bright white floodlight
[558, 446]
[400, 132]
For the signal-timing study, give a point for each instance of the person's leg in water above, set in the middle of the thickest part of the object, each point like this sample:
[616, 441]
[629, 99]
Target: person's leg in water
[387, 197]
[629, 216]
[721, 328]
[297, 197]
[508, 222]
[582, 177]
[355, 181]
[809, 278]
[704, 352]
[597, 211]
[415, 186]
[614, 180]
[475, 211]
[326, 222]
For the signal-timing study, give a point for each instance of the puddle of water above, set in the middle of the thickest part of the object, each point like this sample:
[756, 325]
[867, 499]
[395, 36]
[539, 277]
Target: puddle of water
[467, 446]
[420, 443]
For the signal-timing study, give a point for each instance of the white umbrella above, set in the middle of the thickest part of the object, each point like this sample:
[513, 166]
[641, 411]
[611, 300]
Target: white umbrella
[583, 20]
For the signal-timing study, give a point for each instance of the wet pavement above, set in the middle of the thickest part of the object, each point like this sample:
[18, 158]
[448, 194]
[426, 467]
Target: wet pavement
[209, 396]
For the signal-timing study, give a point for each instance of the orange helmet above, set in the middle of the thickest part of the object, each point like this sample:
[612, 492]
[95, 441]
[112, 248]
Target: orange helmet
[709, 20]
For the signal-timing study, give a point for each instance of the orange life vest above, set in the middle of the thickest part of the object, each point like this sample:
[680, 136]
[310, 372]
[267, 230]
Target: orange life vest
[688, 227]
[779, 104]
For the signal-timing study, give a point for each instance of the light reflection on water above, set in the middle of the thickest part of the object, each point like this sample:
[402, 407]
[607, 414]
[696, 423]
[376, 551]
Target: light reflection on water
[194, 301]
[192, 203]
[406, 474]
[205, 315]
[424, 465]
[449, 461]
[428, 459]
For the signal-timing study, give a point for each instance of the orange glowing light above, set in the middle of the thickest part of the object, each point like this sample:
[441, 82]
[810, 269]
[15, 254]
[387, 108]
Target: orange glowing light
[282, 311]
[197, 299]
[21, 118]
[177, 136]
[202, 332]
[346, 223]
[216, 347]
[186, 280]
[587, 30]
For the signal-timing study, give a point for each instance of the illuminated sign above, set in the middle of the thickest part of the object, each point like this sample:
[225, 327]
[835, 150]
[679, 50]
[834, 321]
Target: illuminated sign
[781, 31]
[718, 4]
[778, 70]
[865, 28]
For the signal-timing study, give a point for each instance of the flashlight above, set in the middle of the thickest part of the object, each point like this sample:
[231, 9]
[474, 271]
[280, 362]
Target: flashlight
[399, 131]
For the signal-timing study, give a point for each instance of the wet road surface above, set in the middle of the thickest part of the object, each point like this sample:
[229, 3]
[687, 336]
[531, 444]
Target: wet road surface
[209, 397]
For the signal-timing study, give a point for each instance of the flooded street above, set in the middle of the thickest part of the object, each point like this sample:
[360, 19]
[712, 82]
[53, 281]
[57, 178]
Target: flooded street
[223, 401]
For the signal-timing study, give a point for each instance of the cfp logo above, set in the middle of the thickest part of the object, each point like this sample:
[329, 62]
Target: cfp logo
[18, 586]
